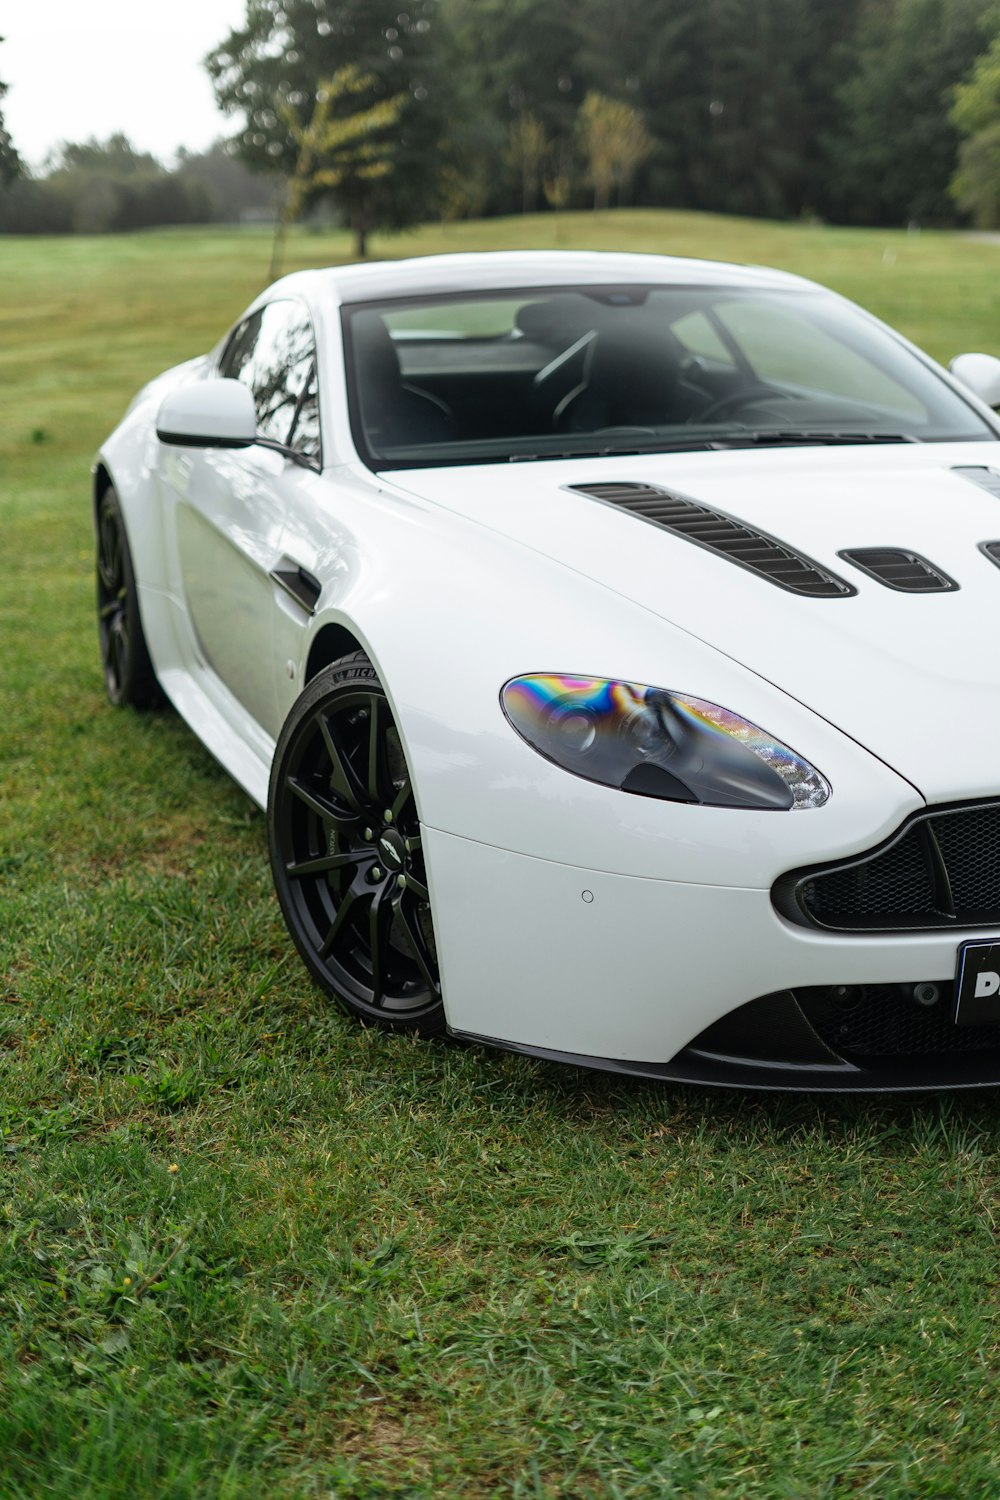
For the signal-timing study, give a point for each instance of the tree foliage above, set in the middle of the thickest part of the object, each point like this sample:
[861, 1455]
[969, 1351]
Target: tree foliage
[615, 141]
[337, 149]
[10, 162]
[895, 154]
[527, 153]
[233, 191]
[976, 113]
[849, 110]
[976, 184]
[102, 187]
[109, 186]
[273, 69]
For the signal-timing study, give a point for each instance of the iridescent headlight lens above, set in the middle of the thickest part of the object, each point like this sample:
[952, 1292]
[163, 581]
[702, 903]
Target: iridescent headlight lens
[659, 744]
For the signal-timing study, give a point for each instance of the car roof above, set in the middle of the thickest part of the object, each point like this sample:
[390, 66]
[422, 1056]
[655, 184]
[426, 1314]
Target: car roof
[513, 269]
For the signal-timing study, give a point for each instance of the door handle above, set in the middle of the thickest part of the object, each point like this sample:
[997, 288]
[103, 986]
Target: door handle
[299, 584]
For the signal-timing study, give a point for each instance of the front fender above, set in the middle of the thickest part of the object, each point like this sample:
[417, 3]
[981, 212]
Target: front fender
[449, 611]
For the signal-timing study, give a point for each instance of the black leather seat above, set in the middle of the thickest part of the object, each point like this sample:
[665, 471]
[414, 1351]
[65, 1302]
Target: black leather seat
[632, 379]
[395, 414]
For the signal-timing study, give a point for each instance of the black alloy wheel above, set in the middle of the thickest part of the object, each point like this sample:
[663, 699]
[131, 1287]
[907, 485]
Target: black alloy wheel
[128, 670]
[346, 852]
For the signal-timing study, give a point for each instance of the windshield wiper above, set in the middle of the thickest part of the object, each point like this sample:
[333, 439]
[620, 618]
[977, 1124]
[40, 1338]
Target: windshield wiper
[778, 438]
[766, 438]
[790, 438]
[687, 445]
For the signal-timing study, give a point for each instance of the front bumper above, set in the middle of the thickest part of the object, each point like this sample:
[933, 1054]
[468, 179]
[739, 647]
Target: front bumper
[654, 977]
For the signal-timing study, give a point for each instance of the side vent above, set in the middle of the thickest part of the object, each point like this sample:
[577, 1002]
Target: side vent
[906, 571]
[987, 479]
[722, 534]
[991, 550]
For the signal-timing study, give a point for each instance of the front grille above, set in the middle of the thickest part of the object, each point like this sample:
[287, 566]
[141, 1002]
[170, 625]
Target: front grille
[883, 1020]
[941, 869]
[723, 534]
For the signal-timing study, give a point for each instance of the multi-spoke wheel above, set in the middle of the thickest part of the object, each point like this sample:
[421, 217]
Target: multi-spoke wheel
[128, 671]
[346, 851]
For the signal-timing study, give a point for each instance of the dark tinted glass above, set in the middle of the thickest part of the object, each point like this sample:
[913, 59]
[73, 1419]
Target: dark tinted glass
[591, 370]
[273, 352]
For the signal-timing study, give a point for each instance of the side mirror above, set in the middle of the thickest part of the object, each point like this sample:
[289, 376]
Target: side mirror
[979, 373]
[208, 414]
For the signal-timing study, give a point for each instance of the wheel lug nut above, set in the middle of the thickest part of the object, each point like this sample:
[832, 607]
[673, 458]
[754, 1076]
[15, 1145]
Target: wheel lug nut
[387, 816]
[401, 882]
[376, 873]
[369, 835]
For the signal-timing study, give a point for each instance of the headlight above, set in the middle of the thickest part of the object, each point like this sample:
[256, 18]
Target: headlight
[658, 744]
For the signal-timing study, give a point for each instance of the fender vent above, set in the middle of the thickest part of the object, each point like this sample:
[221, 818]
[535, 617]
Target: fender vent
[752, 549]
[992, 551]
[906, 571]
[987, 479]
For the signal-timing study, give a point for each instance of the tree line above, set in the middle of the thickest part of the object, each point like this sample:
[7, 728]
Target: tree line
[880, 112]
[106, 187]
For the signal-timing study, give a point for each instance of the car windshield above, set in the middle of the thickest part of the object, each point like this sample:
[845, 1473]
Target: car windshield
[562, 372]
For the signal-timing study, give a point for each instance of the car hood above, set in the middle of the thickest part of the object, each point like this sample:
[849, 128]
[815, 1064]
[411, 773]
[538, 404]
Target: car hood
[915, 678]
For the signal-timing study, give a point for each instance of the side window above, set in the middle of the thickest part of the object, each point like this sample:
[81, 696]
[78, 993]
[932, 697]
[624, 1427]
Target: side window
[273, 352]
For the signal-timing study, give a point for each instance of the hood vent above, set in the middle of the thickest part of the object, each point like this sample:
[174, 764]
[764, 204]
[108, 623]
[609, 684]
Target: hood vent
[713, 529]
[987, 479]
[906, 571]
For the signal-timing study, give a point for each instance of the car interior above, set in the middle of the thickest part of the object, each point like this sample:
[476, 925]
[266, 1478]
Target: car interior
[504, 376]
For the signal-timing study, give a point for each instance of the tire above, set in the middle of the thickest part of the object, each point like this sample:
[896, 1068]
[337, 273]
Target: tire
[346, 852]
[128, 671]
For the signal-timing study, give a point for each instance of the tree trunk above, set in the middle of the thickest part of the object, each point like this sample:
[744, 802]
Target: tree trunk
[278, 247]
[360, 232]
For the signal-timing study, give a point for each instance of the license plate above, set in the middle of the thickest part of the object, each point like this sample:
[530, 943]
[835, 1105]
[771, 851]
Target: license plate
[977, 988]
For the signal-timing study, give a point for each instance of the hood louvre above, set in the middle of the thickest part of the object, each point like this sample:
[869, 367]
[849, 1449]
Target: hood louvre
[907, 572]
[723, 534]
[987, 479]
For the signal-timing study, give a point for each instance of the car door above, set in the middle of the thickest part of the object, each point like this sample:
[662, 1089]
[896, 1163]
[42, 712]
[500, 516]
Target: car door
[231, 504]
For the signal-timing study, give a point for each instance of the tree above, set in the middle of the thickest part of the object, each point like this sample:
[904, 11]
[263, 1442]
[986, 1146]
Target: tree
[976, 184]
[335, 148]
[758, 60]
[976, 113]
[527, 153]
[10, 162]
[233, 190]
[115, 157]
[615, 142]
[519, 83]
[893, 155]
[277, 61]
[652, 53]
[109, 186]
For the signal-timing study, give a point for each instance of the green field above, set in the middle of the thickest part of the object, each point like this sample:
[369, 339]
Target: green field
[249, 1250]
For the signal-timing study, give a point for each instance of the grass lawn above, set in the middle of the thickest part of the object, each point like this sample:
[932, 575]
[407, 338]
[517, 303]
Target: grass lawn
[250, 1250]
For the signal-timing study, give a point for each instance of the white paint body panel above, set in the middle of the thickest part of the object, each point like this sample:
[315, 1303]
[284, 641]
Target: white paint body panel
[456, 580]
[641, 964]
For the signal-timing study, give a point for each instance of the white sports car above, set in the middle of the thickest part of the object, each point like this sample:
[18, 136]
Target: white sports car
[610, 640]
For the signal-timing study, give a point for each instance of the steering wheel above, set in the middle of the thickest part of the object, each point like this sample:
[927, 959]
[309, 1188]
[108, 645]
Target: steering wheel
[726, 405]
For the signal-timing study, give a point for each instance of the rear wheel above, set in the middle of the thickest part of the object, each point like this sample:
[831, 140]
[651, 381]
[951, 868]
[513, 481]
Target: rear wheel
[128, 670]
[346, 852]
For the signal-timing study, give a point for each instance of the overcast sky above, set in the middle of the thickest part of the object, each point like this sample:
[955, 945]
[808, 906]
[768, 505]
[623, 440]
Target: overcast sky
[80, 68]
